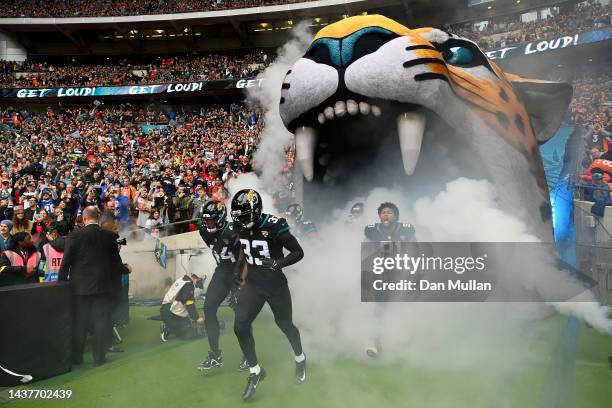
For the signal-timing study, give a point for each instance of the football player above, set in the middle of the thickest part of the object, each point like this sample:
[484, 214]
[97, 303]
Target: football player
[355, 213]
[295, 216]
[389, 229]
[221, 238]
[263, 238]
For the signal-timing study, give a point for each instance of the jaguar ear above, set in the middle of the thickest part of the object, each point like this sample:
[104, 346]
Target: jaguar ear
[546, 103]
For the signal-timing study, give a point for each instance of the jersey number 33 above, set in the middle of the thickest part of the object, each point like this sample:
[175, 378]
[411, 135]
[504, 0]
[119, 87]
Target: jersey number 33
[260, 247]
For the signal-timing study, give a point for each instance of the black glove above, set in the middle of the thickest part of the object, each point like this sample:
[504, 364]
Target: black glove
[271, 264]
[236, 280]
[233, 297]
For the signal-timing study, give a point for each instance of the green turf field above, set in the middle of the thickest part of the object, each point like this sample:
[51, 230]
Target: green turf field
[153, 374]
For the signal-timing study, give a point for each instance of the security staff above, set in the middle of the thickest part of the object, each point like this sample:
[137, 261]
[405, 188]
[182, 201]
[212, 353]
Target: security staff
[19, 264]
[52, 254]
[91, 261]
[178, 311]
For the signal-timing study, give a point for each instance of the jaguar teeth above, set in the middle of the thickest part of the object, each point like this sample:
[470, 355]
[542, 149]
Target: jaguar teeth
[364, 108]
[352, 107]
[305, 144]
[376, 111]
[340, 109]
[410, 128]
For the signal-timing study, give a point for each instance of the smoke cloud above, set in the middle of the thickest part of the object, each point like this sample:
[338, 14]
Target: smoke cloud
[269, 159]
[326, 288]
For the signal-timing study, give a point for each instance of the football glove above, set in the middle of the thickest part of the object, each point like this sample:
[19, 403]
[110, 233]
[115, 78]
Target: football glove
[236, 280]
[233, 298]
[272, 264]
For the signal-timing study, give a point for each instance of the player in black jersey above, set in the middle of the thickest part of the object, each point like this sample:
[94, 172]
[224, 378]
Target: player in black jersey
[221, 238]
[295, 216]
[388, 229]
[355, 213]
[263, 238]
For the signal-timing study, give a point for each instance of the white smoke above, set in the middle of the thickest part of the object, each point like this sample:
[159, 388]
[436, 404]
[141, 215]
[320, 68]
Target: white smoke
[250, 180]
[269, 159]
[326, 288]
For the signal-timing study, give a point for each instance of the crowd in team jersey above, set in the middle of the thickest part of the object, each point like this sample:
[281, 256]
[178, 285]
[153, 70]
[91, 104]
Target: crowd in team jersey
[56, 163]
[40, 72]
[507, 30]
[94, 8]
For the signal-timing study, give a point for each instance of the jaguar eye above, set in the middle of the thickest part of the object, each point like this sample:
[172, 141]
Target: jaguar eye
[459, 55]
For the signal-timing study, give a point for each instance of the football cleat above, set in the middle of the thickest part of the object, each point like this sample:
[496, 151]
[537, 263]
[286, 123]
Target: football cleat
[300, 372]
[244, 365]
[372, 351]
[164, 332]
[252, 383]
[214, 360]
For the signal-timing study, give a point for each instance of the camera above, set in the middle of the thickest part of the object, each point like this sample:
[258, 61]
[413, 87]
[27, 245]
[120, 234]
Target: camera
[121, 241]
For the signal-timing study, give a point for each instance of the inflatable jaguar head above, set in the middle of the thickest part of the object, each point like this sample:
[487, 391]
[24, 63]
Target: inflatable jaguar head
[373, 102]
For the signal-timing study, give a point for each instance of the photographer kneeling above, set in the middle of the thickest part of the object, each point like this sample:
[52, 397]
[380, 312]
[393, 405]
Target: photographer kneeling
[178, 311]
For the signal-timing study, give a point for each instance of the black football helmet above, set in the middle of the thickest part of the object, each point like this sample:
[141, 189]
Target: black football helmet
[357, 210]
[213, 215]
[246, 208]
[294, 212]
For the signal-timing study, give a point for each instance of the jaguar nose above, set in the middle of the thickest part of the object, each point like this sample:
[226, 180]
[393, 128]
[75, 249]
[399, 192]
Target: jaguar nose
[340, 53]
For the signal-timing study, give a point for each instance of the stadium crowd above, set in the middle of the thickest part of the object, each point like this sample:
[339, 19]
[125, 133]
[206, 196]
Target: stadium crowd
[591, 108]
[54, 164]
[38, 72]
[508, 30]
[98, 8]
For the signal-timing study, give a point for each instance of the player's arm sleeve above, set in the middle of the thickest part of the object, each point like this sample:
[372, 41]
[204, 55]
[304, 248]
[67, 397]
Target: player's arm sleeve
[201, 231]
[240, 268]
[187, 297]
[296, 253]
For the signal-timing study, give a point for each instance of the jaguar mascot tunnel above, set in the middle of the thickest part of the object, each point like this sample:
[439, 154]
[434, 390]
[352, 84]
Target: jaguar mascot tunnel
[374, 103]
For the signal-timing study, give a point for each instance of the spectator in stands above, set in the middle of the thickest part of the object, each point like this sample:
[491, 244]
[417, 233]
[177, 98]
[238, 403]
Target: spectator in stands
[183, 208]
[507, 30]
[186, 155]
[20, 221]
[144, 206]
[6, 213]
[153, 223]
[6, 192]
[84, 8]
[71, 72]
[6, 238]
[598, 192]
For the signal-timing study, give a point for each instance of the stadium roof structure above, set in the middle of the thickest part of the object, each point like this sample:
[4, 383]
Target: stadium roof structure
[254, 27]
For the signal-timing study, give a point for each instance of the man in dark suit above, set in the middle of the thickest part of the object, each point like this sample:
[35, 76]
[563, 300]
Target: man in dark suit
[91, 259]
